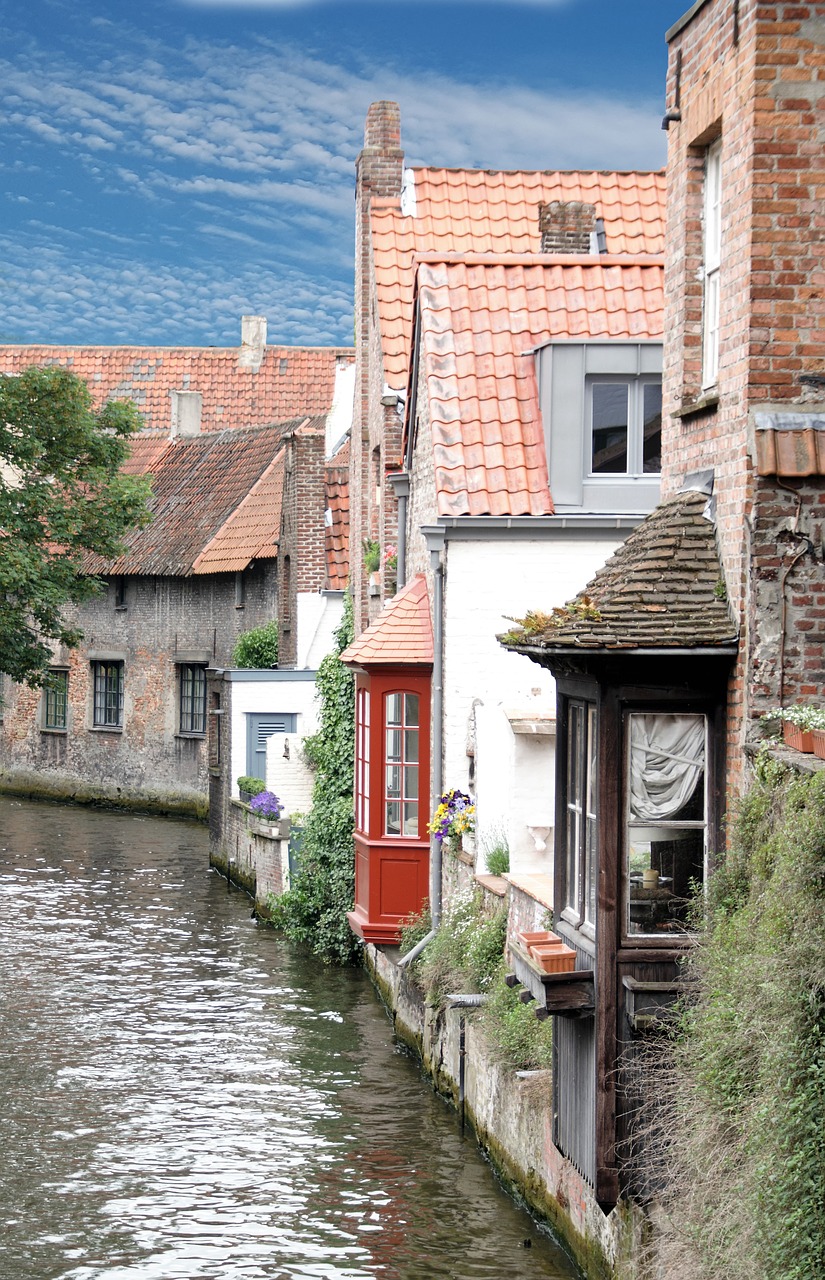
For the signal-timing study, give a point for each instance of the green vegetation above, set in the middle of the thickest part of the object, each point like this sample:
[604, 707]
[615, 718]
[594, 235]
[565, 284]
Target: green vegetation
[467, 956]
[252, 786]
[372, 555]
[257, 648]
[313, 911]
[62, 496]
[746, 1153]
[498, 859]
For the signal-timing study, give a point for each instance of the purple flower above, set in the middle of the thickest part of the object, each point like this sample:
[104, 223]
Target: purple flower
[266, 805]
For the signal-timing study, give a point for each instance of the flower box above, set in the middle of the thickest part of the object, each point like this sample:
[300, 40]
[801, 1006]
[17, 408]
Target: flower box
[276, 830]
[818, 736]
[797, 737]
[529, 939]
[554, 957]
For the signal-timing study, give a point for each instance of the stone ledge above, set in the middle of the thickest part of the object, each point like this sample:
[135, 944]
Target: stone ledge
[539, 887]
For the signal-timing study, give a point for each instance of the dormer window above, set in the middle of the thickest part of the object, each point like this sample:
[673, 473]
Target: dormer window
[625, 426]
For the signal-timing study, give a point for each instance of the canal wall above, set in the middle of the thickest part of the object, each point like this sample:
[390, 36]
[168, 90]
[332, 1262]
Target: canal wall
[34, 784]
[251, 853]
[511, 1114]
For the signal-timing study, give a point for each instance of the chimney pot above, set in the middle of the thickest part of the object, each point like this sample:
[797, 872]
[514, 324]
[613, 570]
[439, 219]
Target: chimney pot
[253, 341]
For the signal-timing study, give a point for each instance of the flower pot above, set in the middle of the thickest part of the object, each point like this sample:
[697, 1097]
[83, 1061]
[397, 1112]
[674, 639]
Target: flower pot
[798, 738]
[554, 959]
[530, 939]
[818, 736]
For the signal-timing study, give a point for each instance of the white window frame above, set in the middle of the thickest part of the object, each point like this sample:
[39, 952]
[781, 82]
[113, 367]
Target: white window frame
[711, 263]
[635, 384]
[581, 820]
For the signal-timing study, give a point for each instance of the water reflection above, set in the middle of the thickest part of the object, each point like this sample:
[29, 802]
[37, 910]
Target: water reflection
[187, 1097]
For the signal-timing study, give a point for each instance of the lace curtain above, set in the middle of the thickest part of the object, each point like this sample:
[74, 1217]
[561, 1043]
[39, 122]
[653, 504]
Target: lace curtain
[667, 758]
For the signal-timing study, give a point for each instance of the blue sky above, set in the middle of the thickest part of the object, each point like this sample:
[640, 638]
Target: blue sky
[169, 165]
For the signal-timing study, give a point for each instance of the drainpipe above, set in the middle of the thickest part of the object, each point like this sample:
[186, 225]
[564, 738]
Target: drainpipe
[400, 482]
[435, 538]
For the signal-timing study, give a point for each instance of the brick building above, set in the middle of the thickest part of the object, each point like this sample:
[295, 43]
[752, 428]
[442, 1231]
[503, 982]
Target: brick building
[249, 525]
[711, 611]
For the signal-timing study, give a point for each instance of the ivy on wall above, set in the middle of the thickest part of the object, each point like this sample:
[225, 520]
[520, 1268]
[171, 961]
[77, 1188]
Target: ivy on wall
[313, 910]
[746, 1152]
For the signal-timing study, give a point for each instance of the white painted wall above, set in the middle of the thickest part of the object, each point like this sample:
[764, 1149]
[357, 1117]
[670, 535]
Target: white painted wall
[339, 418]
[288, 774]
[252, 694]
[319, 614]
[487, 583]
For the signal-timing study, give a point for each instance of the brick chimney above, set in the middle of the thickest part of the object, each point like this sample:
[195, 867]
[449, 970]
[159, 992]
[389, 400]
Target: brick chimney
[187, 409]
[566, 226]
[253, 341]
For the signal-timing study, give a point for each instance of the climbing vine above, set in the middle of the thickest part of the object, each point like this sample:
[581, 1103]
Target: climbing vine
[747, 1145]
[313, 910]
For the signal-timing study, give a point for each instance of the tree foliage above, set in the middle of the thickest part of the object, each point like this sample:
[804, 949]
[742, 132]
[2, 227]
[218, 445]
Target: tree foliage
[313, 911]
[258, 647]
[62, 496]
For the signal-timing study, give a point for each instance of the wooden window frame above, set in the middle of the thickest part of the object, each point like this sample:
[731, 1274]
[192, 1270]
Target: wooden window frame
[579, 898]
[103, 707]
[54, 698]
[192, 717]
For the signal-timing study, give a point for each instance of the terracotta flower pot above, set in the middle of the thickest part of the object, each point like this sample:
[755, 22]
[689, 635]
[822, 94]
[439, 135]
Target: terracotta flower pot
[798, 738]
[818, 736]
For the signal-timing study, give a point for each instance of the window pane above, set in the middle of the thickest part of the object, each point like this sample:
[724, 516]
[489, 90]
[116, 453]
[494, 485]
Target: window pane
[667, 760]
[652, 427]
[609, 427]
[394, 744]
[411, 708]
[108, 694]
[411, 745]
[574, 806]
[411, 782]
[393, 781]
[410, 819]
[56, 700]
[590, 835]
[393, 818]
[393, 708]
[665, 865]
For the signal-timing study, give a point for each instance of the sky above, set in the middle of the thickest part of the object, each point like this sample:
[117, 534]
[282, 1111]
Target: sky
[167, 166]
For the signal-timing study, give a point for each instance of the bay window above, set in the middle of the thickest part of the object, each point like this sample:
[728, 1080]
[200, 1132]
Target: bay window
[666, 822]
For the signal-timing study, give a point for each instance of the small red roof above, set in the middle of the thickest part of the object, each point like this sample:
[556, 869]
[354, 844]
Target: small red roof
[402, 634]
[336, 480]
[481, 320]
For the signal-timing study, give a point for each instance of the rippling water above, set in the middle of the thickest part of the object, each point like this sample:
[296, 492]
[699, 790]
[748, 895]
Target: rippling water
[185, 1096]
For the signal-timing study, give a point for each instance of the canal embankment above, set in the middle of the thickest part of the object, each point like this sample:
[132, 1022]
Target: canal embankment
[68, 788]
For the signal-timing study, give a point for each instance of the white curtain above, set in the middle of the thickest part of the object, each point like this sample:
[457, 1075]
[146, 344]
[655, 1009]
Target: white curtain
[667, 756]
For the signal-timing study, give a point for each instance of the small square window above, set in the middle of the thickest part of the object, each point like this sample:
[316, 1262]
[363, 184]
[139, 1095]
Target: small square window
[625, 426]
[108, 695]
[192, 699]
[56, 700]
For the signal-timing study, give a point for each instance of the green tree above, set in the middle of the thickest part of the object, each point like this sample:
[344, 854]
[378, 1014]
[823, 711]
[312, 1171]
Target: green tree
[63, 496]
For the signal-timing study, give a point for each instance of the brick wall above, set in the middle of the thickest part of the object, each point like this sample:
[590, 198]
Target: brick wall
[162, 617]
[378, 173]
[302, 544]
[750, 74]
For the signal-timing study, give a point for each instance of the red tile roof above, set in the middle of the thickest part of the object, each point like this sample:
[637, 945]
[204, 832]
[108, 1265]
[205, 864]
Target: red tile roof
[215, 504]
[402, 634]
[476, 211]
[337, 531]
[481, 319]
[290, 382]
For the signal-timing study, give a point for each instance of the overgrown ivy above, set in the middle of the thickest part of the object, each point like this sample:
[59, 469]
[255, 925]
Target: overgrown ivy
[747, 1147]
[313, 910]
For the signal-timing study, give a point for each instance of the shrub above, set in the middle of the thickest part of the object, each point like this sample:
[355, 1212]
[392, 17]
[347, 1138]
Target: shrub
[314, 909]
[252, 786]
[512, 1028]
[465, 952]
[257, 648]
[372, 555]
[266, 805]
[498, 860]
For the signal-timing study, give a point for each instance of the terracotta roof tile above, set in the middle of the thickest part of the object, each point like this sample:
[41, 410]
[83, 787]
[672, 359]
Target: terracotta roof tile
[481, 319]
[476, 211]
[290, 381]
[659, 590]
[401, 635]
[218, 488]
[252, 530]
[337, 532]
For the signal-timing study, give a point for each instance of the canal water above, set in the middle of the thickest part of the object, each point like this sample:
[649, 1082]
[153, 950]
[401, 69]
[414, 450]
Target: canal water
[186, 1096]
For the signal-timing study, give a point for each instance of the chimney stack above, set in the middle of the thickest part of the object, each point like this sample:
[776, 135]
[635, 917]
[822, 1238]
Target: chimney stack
[253, 341]
[187, 409]
[567, 226]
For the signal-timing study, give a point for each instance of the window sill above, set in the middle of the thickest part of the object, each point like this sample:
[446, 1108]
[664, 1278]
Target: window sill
[61, 733]
[198, 737]
[105, 728]
[539, 887]
[707, 403]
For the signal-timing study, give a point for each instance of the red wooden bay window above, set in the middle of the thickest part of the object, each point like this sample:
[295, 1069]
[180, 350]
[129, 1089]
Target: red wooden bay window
[392, 800]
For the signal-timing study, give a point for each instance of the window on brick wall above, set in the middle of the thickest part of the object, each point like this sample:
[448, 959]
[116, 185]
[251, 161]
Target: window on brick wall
[107, 679]
[56, 700]
[192, 678]
[711, 259]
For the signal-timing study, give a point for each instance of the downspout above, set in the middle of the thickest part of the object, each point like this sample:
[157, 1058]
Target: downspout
[435, 537]
[400, 482]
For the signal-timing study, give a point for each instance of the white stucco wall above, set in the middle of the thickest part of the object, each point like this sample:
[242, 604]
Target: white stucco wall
[487, 582]
[319, 613]
[288, 774]
[252, 693]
